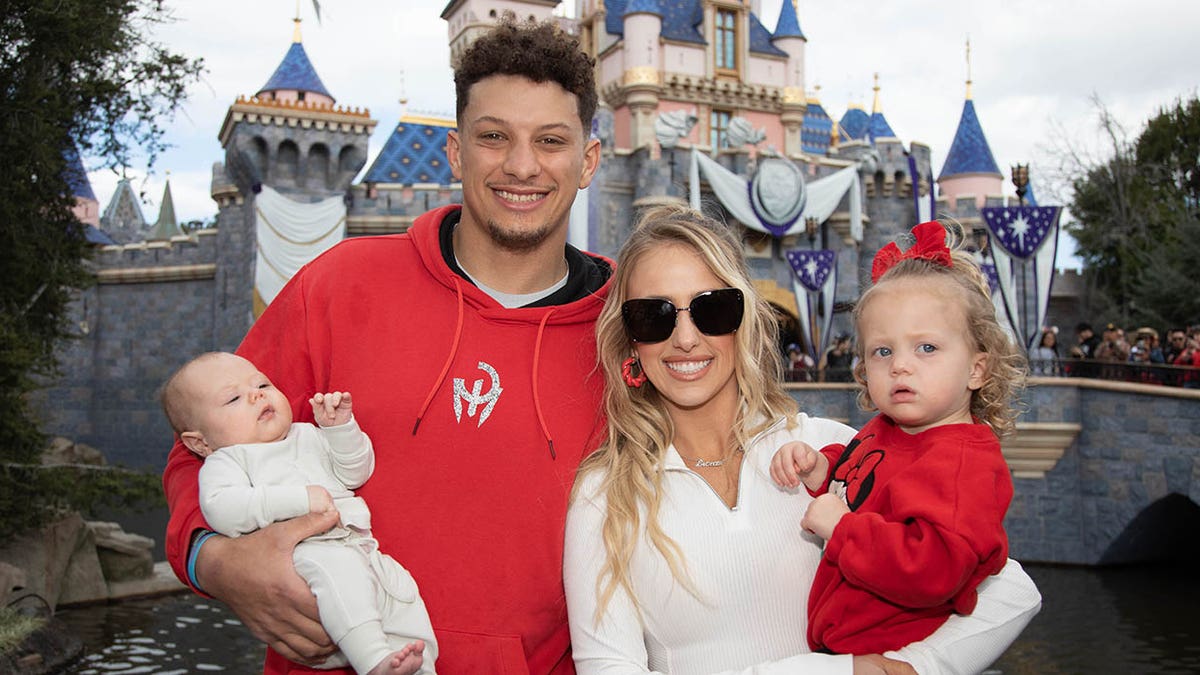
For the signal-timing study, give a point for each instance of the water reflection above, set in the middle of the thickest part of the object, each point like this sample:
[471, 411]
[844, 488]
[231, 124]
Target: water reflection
[1120, 620]
[170, 635]
[1129, 620]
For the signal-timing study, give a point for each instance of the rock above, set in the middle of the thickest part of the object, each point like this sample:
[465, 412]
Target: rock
[59, 561]
[12, 579]
[47, 650]
[124, 556]
[65, 451]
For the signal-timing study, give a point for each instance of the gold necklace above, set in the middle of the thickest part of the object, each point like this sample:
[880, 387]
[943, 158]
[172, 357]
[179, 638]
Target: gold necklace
[698, 463]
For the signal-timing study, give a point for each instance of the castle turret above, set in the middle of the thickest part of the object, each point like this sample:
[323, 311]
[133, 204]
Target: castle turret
[87, 207]
[794, 101]
[878, 127]
[122, 218]
[970, 167]
[468, 19]
[642, 24]
[856, 123]
[295, 79]
[818, 131]
[292, 138]
[167, 225]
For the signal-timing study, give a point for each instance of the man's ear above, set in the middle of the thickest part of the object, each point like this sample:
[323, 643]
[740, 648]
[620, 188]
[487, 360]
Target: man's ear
[452, 149]
[591, 162]
[195, 442]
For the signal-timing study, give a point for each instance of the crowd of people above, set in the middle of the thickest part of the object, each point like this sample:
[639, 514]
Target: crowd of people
[1138, 355]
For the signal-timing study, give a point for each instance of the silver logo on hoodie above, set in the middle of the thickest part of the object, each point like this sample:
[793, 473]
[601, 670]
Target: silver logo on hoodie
[474, 398]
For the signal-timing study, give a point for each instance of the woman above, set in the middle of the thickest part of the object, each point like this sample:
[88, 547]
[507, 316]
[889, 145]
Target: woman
[1044, 357]
[681, 555]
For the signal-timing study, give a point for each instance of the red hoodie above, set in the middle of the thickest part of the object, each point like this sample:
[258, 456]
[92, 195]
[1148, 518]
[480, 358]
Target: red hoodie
[473, 500]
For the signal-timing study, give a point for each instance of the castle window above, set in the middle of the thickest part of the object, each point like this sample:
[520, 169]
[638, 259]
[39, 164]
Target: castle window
[725, 42]
[718, 128]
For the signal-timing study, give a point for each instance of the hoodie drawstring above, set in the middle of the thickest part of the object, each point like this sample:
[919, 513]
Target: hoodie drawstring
[537, 400]
[458, 328]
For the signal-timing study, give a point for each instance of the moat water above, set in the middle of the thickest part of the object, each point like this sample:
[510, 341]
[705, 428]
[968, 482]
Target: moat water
[1129, 621]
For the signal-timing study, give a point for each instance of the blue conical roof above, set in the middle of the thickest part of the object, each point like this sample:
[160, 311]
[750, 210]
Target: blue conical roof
[788, 25]
[879, 127]
[76, 176]
[296, 72]
[970, 152]
[817, 129]
[856, 123]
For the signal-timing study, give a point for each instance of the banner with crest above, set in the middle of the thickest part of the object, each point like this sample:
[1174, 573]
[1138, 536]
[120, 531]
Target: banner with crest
[1024, 245]
[814, 281]
[776, 200]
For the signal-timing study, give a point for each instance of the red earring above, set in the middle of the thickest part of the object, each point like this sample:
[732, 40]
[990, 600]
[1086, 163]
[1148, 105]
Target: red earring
[627, 369]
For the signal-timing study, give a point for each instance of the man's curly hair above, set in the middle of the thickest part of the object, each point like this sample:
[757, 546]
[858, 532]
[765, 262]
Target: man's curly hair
[541, 52]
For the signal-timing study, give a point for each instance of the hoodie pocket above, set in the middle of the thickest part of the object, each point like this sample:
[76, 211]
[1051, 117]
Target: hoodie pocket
[461, 653]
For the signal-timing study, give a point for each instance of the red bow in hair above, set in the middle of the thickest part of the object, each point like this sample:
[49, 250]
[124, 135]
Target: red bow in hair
[931, 246]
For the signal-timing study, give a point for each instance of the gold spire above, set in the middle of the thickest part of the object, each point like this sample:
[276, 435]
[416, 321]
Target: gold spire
[296, 30]
[875, 107]
[968, 67]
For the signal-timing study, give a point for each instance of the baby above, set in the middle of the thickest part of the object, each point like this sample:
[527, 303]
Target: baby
[912, 509]
[260, 468]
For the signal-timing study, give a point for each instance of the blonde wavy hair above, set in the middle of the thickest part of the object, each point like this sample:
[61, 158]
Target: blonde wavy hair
[994, 403]
[639, 428]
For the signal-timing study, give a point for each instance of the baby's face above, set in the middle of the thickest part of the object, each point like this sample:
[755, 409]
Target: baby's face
[233, 403]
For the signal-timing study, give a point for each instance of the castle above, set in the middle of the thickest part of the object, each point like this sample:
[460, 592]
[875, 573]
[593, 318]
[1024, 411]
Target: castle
[736, 90]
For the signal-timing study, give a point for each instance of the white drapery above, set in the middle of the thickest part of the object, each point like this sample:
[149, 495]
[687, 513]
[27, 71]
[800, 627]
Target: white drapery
[824, 195]
[288, 235]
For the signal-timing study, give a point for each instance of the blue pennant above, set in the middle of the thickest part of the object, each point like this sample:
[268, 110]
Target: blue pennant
[993, 277]
[1020, 230]
[812, 268]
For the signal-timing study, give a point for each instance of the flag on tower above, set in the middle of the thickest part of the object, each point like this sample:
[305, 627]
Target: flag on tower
[814, 283]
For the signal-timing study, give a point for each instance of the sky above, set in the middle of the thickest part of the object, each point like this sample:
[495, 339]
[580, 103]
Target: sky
[1037, 67]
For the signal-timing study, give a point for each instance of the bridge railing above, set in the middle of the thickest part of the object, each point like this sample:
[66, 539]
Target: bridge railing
[1144, 373]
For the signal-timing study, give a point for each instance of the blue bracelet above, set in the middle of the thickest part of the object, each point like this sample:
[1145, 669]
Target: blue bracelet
[195, 552]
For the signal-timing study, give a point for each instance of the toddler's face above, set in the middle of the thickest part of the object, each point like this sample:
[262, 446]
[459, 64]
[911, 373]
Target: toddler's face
[921, 365]
[232, 403]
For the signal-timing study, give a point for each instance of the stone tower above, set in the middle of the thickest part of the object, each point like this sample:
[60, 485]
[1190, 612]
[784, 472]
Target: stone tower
[292, 137]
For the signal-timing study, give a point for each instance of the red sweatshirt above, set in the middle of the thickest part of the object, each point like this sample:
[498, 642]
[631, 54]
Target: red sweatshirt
[473, 500]
[926, 527]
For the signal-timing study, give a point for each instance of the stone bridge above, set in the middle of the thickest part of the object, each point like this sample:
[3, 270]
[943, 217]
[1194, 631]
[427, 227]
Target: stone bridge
[1105, 472]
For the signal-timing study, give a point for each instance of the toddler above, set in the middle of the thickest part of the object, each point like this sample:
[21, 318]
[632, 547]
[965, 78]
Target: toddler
[912, 508]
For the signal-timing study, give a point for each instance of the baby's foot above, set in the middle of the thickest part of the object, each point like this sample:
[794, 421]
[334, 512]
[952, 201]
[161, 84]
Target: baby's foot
[407, 661]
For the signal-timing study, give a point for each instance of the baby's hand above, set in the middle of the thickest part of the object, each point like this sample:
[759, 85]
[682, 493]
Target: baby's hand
[796, 461]
[319, 500]
[823, 515]
[331, 409]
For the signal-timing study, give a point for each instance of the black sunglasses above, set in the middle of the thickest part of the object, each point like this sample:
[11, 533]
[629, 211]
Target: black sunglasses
[716, 312]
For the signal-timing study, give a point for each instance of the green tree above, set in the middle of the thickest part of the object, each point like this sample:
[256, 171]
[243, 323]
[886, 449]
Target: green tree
[1136, 220]
[75, 74]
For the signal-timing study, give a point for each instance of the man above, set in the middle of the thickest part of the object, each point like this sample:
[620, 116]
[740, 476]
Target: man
[469, 345]
[1087, 341]
[1176, 342]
